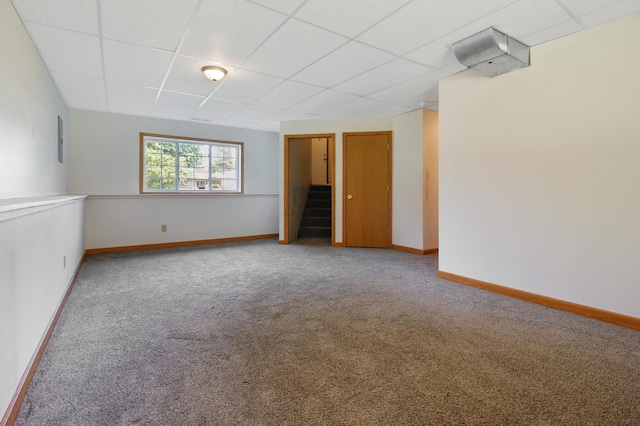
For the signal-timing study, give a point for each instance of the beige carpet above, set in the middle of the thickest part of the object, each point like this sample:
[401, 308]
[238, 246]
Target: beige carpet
[258, 333]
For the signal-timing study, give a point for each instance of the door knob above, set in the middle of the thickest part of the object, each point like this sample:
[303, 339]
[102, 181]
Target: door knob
[349, 196]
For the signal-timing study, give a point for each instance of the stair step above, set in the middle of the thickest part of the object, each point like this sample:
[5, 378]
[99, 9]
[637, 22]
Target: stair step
[326, 188]
[317, 212]
[314, 231]
[318, 203]
[316, 221]
[319, 195]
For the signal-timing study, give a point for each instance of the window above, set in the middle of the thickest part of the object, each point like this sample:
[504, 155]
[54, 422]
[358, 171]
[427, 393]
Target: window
[179, 164]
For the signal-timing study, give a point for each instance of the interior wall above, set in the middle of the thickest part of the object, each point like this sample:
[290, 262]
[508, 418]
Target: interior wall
[430, 178]
[104, 163]
[299, 182]
[407, 157]
[308, 127]
[29, 108]
[33, 240]
[319, 161]
[539, 171]
[39, 252]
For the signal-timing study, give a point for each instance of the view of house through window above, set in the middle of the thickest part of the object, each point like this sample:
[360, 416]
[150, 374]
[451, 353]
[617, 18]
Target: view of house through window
[174, 164]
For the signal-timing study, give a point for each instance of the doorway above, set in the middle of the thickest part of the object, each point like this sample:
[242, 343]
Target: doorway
[367, 189]
[291, 194]
[320, 161]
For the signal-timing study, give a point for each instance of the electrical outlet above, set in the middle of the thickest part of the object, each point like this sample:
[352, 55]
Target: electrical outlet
[163, 228]
[64, 261]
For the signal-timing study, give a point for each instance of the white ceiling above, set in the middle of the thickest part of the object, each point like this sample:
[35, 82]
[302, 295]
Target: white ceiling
[286, 59]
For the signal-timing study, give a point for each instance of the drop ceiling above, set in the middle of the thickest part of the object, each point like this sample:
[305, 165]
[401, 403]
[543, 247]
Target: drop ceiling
[286, 59]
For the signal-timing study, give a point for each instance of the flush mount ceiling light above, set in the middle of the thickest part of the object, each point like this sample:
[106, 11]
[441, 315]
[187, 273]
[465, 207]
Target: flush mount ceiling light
[214, 73]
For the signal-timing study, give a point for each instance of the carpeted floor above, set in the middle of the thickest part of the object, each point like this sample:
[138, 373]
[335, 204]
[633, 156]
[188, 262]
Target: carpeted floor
[258, 333]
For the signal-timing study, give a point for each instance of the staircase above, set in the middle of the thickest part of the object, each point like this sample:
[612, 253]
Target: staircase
[316, 220]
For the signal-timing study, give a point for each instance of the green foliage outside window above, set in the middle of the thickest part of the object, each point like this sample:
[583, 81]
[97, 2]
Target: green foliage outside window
[162, 160]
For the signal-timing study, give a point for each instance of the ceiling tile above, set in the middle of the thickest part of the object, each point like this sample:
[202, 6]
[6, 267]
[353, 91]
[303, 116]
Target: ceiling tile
[288, 94]
[186, 77]
[81, 90]
[526, 17]
[323, 102]
[67, 51]
[360, 107]
[263, 42]
[177, 103]
[583, 7]
[131, 97]
[454, 68]
[215, 109]
[126, 63]
[420, 100]
[169, 116]
[245, 86]
[295, 116]
[146, 23]
[284, 6]
[267, 127]
[617, 11]
[342, 64]
[410, 89]
[389, 110]
[294, 46]
[551, 33]
[423, 21]
[347, 17]
[385, 75]
[227, 31]
[438, 53]
[518, 19]
[75, 15]
[255, 113]
[128, 111]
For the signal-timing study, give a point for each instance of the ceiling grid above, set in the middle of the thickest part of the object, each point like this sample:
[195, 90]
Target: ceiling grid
[286, 59]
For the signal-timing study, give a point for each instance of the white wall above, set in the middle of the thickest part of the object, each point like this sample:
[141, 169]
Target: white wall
[540, 171]
[407, 212]
[430, 178]
[319, 160]
[299, 182]
[33, 279]
[104, 152]
[33, 240]
[29, 107]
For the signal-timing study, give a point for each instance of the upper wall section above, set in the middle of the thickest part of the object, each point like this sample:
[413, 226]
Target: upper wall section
[105, 151]
[29, 108]
[539, 171]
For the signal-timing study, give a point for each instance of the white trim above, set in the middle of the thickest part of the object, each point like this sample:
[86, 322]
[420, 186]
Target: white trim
[16, 207]
[183, 194]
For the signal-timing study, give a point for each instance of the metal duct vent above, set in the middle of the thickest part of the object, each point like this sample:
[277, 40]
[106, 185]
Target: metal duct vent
[492, 52]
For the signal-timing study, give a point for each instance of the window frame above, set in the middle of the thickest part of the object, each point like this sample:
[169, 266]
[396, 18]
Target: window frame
[186, 139]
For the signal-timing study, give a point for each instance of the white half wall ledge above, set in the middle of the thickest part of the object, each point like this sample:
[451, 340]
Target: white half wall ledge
[16, 207]
[176, 195]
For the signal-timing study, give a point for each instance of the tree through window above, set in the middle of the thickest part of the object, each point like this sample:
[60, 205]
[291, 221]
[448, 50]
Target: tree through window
[179, 164]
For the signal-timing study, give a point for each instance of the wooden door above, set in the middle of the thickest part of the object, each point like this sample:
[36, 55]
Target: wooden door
[367, 186]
